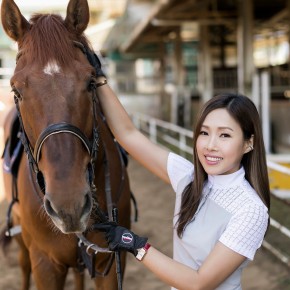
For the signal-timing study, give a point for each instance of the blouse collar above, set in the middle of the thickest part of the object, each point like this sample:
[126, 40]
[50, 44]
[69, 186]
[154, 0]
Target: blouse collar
[228, 180]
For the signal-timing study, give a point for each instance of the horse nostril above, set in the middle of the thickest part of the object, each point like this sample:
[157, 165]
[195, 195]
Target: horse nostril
[87, 204]
[48, 208]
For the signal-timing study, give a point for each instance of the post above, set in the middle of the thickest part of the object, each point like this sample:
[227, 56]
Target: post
[205, 84]
[245, 47]
[153, 130]
[265, 109]
[256, 91]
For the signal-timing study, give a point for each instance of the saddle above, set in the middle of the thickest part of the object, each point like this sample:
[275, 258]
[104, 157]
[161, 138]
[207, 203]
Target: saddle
[13, 149]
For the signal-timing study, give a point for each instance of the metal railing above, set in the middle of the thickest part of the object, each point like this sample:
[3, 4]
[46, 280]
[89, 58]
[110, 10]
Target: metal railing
[180, 140]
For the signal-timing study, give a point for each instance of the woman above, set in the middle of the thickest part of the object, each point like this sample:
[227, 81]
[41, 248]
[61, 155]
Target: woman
[222, 200]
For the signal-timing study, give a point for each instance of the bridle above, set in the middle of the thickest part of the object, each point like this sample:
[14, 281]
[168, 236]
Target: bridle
[91, 146]
[60, 128]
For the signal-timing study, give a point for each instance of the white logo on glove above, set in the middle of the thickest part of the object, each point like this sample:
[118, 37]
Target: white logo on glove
[127, 238]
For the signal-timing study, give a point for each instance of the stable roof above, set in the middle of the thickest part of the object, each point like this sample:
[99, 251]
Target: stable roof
[147, 23]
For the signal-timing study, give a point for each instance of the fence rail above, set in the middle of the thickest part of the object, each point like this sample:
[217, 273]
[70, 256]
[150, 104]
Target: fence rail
[180, 140]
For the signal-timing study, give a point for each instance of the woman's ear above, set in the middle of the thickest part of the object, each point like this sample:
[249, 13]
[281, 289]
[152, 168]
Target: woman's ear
[249, 145]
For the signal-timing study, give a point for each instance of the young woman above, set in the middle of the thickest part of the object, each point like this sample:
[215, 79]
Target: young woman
[222, 200]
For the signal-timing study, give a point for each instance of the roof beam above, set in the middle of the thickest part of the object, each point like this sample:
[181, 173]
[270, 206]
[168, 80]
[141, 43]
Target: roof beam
[205, 21]
[143, 25]
[200, 14]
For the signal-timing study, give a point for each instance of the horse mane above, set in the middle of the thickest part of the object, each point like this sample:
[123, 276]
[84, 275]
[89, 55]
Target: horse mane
[49, 39]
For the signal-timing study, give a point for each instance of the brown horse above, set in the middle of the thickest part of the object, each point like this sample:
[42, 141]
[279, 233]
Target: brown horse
[68, 145]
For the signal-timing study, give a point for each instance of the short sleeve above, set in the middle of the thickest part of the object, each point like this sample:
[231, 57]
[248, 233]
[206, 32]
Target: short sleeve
[180, 172]
[246, 229]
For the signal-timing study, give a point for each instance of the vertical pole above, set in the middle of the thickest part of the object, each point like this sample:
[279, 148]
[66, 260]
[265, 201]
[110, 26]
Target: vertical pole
[288, 9]
[164, 100]
[174, 106]
[205, 65]
[245, 47]
[256, 91]
[265, 85]
[153, 130]
[178, 59]
[178, 75]
[182, 144]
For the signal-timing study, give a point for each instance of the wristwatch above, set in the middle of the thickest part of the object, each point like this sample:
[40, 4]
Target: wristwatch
[142, 252]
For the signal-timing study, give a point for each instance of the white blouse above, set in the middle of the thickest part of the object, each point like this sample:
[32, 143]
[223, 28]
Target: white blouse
[230, 212]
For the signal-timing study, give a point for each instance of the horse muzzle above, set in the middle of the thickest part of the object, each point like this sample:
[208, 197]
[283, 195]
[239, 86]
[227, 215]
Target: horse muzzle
[69, 217]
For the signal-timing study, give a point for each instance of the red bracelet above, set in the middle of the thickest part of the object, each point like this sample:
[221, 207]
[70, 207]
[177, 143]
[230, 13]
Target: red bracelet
[142, 252]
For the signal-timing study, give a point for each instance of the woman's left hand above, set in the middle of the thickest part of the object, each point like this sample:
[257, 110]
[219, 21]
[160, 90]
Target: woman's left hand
[120, 238]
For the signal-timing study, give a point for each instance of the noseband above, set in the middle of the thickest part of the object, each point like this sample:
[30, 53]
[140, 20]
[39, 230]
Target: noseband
[58, 129]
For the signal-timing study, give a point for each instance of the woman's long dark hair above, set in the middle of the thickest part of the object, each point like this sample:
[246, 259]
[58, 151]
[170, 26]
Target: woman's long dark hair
[243, 110]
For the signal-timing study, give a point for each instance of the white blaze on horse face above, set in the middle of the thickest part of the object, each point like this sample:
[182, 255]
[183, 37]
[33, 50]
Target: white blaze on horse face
[51, 68]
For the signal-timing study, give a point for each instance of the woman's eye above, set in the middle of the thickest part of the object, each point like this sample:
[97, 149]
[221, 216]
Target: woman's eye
[225, 135]
[203, 133]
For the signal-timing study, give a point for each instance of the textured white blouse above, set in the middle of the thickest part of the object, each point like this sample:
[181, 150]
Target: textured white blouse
[230, 212]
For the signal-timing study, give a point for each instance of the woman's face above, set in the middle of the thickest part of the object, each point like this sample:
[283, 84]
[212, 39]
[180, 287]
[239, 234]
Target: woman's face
[220, 144]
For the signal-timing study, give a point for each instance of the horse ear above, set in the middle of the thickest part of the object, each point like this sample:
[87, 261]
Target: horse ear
[77, 16]
[13, 22]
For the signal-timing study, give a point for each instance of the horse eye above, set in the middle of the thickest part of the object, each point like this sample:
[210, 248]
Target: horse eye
[17, 94]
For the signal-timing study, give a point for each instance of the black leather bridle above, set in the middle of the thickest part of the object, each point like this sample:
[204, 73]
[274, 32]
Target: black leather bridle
[54, 129]
[59, 128]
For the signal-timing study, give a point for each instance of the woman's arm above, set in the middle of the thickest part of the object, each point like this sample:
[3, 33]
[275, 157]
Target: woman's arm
[150, 155]
[219, 265]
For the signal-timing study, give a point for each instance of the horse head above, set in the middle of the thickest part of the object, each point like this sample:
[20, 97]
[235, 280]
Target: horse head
[52, 86]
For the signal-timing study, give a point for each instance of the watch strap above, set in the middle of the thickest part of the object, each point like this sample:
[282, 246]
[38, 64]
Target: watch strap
[142, 252]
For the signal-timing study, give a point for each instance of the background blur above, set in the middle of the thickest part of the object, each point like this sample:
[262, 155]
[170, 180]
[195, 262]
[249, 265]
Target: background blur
[164, 58]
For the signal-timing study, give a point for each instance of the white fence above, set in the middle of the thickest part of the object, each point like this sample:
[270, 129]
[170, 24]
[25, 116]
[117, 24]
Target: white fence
[176, 137]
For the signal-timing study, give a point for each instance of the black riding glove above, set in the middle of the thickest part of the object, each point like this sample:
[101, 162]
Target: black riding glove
[98, 67]
[120, 238]
[96, 63]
